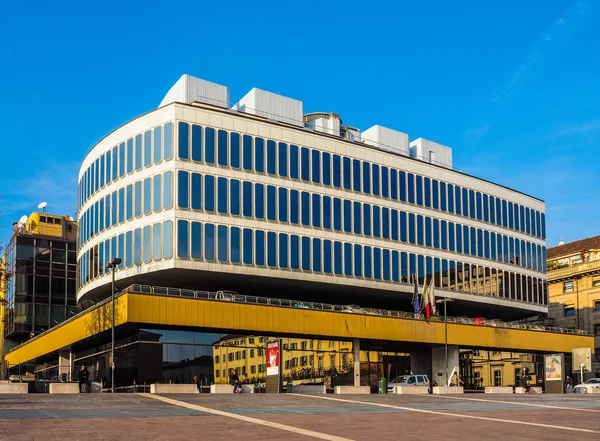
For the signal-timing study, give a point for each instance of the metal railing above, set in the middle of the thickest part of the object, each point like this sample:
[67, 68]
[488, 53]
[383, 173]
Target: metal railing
[574, 269]
[228, 296]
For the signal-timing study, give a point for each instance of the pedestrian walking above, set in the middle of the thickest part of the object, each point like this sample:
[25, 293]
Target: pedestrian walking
[455, 380]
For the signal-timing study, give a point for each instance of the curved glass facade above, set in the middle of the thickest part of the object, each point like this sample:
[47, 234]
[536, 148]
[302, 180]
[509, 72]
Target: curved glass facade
[205, 194]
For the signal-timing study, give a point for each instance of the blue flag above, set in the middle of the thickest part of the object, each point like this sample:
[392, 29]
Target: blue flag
[415, 300]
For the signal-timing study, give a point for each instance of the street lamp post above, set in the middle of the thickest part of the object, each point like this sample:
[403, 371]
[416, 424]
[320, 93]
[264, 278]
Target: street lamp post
[113, 265]
[445, 301]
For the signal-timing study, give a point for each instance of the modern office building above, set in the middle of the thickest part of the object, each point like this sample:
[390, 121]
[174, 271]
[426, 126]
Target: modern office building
[40, 276]
[260, 198]
[200, 197]
[574, 290]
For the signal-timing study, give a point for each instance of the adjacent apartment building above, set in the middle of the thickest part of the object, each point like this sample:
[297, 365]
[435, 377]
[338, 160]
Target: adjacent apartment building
[574, 288]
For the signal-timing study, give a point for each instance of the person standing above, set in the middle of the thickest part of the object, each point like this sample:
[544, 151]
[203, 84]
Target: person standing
[569, 383]
[455, 380]
[197, 381]
[83, 377]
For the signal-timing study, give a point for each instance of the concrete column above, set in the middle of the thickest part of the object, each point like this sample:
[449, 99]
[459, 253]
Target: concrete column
[65, 363]
[356, 349]
[438, 364]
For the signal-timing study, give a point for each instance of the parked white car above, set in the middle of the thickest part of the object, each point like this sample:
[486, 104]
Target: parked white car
[407, 380]
[592, 383]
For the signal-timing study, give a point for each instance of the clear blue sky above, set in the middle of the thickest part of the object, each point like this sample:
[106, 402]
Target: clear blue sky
[511, 86]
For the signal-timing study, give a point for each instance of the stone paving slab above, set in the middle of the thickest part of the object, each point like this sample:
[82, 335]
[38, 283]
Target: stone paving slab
[359, 417]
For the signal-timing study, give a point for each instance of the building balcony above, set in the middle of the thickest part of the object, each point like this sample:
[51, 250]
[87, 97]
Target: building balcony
[571, 271]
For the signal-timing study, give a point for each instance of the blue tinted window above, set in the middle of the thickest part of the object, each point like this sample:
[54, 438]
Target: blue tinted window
[394, 184]
[486, 208]
[115, 163]
[148, 155]
[377, 264]
[130, 156]
[234, 204]
[183, 239]
[294, 207]
[385, 221]
[450, 206]
[457, 200]
[395, 225]
[271, 157]
[121, 161]
[248, 246]
[395, 266]
[129, 248]
[306, 253]
[419, 189]
[102, 171]
[347, 216]
[316, 254]
[498, 211]
[420, 232]
[304, 164]
[248, 198]
[223, 245]
[316, 210]
[283, 250]
[316, 166]
[183, 194]
[327, 212]
[271, 203]
[209, 145]
[167, 191]
[410, 189]
[294, 161]
[368, 262]
[283, 208]
[385, 192]
[356, 174]
[443, 200]
[247, 153]
[147, 249]
[492, 209]
[129, 197]
[510, 215]
[222, 148]
[259, 155]
[427, 190]
[326, 169]
[209, 193]
[376, 178]
[223, 200]
[137, 199]
[465, 202]
[337, 258]
[295, 252]
[479, 206]
[435, 192]
[168, 141]
[259, 201]
[327, 254]
[486, 242]
[428, 232]
[444, 234]
[376, 221]
[493, 246]
[102, 215]
[157, 192]
[137, 249]
[466, 238]
[196, 143]
[347, 173]
[283, 166]
[472, 205]
[366, 171]
[411, 228]
[337, 171]
[209, 242]
[357, 218]
[337, 214]
[196, 243]
[348, 259]
[235, 245]
[305, 209]
[367, 219]
[196, 191]
[147, 196]
[138, 152]
[358, 261]
[459, 242]
[234, 149]
[403, 226]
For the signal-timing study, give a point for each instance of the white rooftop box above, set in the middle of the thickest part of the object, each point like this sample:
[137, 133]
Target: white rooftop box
[271, 105]
[190, 89]
[431, 152]
[386, 139]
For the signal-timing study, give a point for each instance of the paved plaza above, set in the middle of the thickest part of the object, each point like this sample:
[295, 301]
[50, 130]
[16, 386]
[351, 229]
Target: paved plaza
[297, 417]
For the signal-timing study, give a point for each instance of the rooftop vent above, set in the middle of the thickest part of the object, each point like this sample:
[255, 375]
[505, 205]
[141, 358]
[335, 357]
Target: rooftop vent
[431, 152]
[386, 139]
[190, 89]
[272, 106]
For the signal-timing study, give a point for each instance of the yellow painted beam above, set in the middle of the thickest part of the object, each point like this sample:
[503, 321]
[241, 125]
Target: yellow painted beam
[160, 311]
[95, 321]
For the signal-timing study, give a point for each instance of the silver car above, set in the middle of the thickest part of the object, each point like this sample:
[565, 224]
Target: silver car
[592, 383]
[407, 380]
